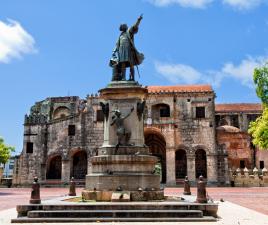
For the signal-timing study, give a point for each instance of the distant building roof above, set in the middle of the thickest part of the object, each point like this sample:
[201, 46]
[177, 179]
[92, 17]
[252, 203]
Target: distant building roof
[180, 89]
[238, 107]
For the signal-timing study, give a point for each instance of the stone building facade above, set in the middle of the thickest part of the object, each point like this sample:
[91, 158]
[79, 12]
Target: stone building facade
[232, 121]
[61, 135]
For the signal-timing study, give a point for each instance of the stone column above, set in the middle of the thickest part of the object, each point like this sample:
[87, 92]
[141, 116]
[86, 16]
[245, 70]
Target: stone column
[170, 165]
[191, 167]
[212, 169]
[65, 171]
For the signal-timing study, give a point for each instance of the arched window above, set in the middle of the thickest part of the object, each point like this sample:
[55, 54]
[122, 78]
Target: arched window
[160, 111]
[61, 112]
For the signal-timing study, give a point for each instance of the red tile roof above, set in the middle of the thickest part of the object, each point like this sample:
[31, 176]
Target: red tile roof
[180, 88]
[238, 107]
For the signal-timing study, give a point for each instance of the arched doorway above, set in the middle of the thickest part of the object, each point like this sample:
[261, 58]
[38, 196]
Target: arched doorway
[79, 166]
[157, 146]
[200, 163]
[54, 168]
[181, 164]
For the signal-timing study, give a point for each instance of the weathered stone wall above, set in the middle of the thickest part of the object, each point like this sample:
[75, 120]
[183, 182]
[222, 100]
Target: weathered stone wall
[237, 144]
[261, 155]
[52, 139]
[182, 130]
[47, 128]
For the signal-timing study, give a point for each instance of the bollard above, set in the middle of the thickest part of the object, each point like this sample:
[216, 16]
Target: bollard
[35, 193]
[187, 188]
[201, 191]
[72, 191]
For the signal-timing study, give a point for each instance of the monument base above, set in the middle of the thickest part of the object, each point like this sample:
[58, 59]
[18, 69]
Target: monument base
[123, 173]
[122, 196]
[129, 182]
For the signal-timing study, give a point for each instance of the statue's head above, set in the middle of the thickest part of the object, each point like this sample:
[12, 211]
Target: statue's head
[123, 27]
[117, 113]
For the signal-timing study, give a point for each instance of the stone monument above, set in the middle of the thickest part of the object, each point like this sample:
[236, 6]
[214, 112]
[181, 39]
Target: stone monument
[123, 163]
[123, 169]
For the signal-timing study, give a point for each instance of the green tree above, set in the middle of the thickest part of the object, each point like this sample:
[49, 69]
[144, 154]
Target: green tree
[5, 151]
[260, 78]
[259, 128]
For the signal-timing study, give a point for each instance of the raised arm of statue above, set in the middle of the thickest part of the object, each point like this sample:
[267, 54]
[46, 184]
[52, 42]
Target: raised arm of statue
[136, 25]
[134, 29]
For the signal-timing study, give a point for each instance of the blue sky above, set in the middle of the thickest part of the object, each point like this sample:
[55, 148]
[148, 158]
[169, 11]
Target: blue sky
[59, 48]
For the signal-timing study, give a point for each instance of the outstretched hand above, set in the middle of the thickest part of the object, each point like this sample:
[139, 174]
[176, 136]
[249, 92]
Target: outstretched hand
[141, 16]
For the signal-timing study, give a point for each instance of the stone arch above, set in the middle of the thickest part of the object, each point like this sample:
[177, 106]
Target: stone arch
[157, 145]
[200, 163]
[196, 147]
[61, 112]
[180, 164]
[78, 165]
[54, 164]
[184, 147]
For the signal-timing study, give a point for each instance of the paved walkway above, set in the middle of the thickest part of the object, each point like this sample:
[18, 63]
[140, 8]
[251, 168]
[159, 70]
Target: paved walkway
[255, 198]
[252, 198]
[10, 197]
[231, 214]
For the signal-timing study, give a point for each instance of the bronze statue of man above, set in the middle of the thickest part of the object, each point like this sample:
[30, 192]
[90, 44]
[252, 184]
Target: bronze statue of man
[125, 53]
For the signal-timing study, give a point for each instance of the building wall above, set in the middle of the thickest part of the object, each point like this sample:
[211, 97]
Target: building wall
[182, 130]
[47, 127]
[237, 144]
[7, 168]
[51, 140]
[261, 155]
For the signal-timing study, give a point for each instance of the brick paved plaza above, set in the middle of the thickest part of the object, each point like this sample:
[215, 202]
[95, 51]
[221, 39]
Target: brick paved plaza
[252, 198]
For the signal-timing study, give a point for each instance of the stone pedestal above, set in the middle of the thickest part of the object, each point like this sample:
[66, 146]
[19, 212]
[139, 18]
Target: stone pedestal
[126, 166]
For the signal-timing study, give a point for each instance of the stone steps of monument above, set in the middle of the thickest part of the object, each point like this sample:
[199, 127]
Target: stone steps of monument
[117, 211]
[23, 209]
[115, 214]
[121, 207]
[94, 219]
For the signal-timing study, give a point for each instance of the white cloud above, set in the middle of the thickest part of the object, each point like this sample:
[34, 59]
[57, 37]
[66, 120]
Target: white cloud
[244, 70]
[183, 3]
[177, 73]
[181, 73]
[201, 4]
[243, 4]
[14, 41]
